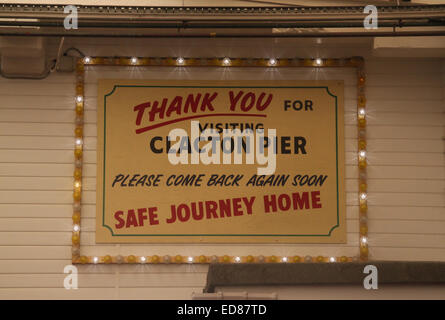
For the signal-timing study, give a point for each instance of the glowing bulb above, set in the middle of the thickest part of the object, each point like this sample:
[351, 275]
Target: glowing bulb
[87, 60]
[190, 259]
[143, 259]
[78, 142]
[79, 98]
[76, 227]
[95, 260]
[237, 259]
[364, 240]
[226, 61]
[180, 60]
[77, 184]
[318, 61]
[284, 259]
[361, 111]
[272, 61]
[332, 259]
[134, 60]
[362, 154]
[363, 196]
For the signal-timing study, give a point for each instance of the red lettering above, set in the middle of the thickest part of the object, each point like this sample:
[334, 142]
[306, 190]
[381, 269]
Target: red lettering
[211, 207]
[225, 208]
[245, 105]
[261, 107]
[158, 110]
[117, 216]
[153, 217]
[234, 100]
[249, 204]
[300, 201]
[193, 104]
[183, 213]
[207, 101]
[270, 203]
[131, 219]
[237, 209]
[315, 195]
[175, 106]
[140, 109]
[141, 216]
[284, 202]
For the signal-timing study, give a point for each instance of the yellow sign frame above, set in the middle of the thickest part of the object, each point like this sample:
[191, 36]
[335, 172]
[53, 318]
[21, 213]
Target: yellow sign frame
[355, 62]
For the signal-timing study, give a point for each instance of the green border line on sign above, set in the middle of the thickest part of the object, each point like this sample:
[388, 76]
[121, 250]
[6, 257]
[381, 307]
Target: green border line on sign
[220, 235]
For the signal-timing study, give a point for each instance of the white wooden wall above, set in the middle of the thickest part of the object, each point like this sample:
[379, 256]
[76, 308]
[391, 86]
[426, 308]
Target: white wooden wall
[406, 104]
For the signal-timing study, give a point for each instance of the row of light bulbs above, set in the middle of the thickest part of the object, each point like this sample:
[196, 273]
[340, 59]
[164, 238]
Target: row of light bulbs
[155, 259]
[180, 61]
[362, 165]
[77, 194]
[78, 156]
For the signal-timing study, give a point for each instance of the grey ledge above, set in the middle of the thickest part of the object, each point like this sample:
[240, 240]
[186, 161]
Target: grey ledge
[294, 274]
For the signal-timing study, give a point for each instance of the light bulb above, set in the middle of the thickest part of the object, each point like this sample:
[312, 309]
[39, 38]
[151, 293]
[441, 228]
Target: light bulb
[95, 260]
[190, 259]
[318, 61]
[87, 60]
[237, 259]
[362, 154]
[226, 61]
[272, 61]
[78, 142]
[180, 60]
[143, 259]
[134, 60]
[361, 111]
[332, 259]
[284, 259]
[76, 227]
[79, 98]
[363, 196]
[364, 240]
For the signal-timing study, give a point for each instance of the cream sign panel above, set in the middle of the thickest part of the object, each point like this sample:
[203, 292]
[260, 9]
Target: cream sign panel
[220, 161]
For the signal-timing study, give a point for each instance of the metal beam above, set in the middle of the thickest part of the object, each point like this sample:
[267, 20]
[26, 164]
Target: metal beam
[129, 21]
[122, 34]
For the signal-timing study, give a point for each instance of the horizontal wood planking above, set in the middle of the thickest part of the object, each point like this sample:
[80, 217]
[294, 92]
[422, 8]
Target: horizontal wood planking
[89, 211]
[98, 280]
[89, 157]
[89, 184]
[67, 143]
[158, 293]
[88, 225]
[374, 132]
[392, 118]
[89, 197]
[406, 180]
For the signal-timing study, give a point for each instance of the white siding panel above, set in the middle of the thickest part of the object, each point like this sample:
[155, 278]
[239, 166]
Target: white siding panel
[406, 177]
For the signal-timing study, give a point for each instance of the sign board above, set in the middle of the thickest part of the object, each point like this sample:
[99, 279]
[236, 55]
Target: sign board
[220, 161]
